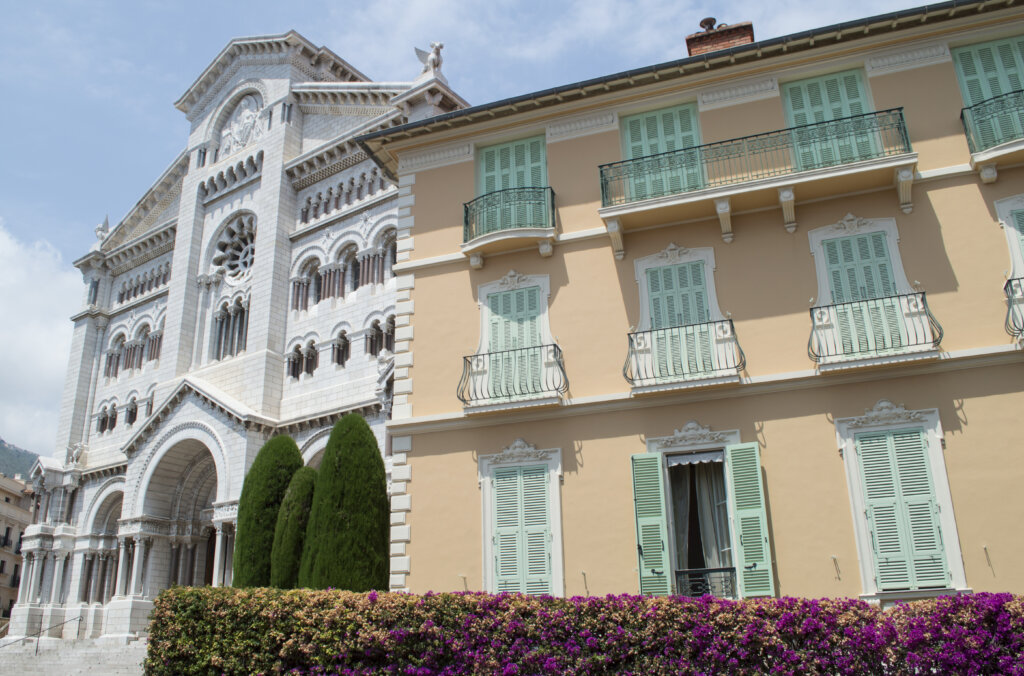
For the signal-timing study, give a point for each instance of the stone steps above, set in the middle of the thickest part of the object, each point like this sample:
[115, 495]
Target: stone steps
[73, 658]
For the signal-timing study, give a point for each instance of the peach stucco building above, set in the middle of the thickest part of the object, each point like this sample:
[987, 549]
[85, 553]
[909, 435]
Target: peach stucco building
[747, 322]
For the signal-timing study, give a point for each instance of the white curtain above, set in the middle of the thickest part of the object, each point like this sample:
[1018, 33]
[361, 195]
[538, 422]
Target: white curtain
[713, 515]
[679, 476]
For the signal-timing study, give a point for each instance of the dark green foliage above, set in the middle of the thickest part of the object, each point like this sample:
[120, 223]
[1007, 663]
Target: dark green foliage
[290, 532]
[262, 492]
[347, 538]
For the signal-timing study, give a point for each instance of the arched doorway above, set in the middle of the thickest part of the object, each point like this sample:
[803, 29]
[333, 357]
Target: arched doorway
[174, 543]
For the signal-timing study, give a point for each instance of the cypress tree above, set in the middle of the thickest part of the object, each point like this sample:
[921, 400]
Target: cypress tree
[262, 492]
[347, 538]
[290, 532]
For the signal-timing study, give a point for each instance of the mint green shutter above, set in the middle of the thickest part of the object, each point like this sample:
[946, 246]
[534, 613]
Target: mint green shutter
[651, 524]
[522, 530]
[519, 164]
[1017, 218]
[823, 99]
[859, 269]
[901, 510]
[514, 324]
[986, 71]
[753, 558]
[679, 305]
[664, 131]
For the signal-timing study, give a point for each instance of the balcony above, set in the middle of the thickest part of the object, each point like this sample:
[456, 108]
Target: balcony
[508, 219]
[716, 179]
[995, 133]
[684, 356]
[696, 582]
[879, 330]
[528, 376]
[1014, 290]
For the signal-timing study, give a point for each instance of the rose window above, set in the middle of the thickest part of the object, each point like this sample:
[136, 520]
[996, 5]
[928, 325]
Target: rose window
[236, 248]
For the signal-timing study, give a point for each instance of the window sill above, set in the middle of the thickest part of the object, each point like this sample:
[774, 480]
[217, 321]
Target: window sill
[492, 405]
[835, 364]
[508, 240]
[888, 598]
[685, 384]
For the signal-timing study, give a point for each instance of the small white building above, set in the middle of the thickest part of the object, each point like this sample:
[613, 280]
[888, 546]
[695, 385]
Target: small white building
[249, 293]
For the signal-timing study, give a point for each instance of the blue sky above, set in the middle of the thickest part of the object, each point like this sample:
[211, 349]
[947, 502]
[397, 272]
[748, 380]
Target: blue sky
[87, 120]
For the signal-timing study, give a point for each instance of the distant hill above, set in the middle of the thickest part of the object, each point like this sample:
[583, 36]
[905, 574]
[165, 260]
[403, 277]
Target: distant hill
[14, 460]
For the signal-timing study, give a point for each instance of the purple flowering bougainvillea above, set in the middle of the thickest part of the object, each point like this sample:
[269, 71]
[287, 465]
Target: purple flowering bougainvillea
[266, 631]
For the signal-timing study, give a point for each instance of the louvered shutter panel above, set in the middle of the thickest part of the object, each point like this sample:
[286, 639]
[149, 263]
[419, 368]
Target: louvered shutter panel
[824, 99]
[986, 71]
[508, 550]
[662, 131]
[1017, 218]
[536, 530]
[750, 521]
[927, 553]
[679, 300]
[651, 524]
[892, 565]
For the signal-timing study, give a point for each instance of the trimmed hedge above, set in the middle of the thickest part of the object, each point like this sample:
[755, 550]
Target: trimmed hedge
[290, 532]
[265, 631]
[347, 539]
[262, 492]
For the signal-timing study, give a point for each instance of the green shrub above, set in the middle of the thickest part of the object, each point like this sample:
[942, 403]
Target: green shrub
[346, 543]
[290, 532]
[261, 497]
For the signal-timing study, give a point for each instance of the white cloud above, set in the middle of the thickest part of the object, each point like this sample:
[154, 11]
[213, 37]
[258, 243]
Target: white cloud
[38, 292]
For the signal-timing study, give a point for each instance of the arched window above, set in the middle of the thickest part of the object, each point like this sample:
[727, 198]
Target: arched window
[112, 418]
[375, 339]
[101, 421]
[149, 405]
[341, 349]
[230, 329]
[153, 345]
[113, 363]
[131, 413]
[389, 334]
[355, 273]
[294, 362]
[311, 358]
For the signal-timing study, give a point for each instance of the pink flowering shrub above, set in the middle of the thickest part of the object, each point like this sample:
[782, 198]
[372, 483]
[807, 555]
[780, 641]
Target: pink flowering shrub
[267, 631]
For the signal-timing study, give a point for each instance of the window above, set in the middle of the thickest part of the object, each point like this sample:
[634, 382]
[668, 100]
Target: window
[867, 308]
[989, 73]
[515, 176]
[294, 362]
[669, 130]
[311, 358]
[112, 417]
[522, 538]
[824, 99]
[3, 566]
[683, 335]
[153, 345]
[903, 513]
[517, 359]
[236, 249]
[700, 514]
[341, 349]
[101, 421]
[131, 413]
[1011, 217]
[113, 363]
[230, 329]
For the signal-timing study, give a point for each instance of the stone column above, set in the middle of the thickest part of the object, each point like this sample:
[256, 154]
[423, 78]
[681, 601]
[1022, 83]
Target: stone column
[122, 563]
[83, 578]
[27, 565]
[136, 580]
[218, 556]
[175, 562]
[97, 579]
[58, 576]
[97, 364]
[184, 560]
[108, 585]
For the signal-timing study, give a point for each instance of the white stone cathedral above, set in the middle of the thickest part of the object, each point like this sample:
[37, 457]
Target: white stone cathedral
[249, 293]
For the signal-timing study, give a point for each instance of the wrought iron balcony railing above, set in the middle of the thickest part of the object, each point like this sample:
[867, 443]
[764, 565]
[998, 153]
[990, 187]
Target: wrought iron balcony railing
[994, 121]
[683, 353]
[512, 375]
[720, 582]
[1014, 290]
[760, 156]
[876, 327]
[508, 209]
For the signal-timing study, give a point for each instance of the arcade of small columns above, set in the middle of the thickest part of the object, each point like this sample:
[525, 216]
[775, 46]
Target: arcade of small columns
[126, 571]
[332, 280]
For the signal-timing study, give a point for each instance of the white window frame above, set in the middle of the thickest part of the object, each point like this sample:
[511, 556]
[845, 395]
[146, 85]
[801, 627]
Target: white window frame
[521, 454]
[1004, 208]
[886, 417]
[852, 225]
[676, 255]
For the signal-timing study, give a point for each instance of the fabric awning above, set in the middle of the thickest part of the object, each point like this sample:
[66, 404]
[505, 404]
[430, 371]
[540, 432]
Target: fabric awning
[696, 458]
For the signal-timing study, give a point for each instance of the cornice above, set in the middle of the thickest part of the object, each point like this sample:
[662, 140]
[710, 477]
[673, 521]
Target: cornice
[152, 204]
[582, 125]
[435, 157]
[739, 92]
[906, 59]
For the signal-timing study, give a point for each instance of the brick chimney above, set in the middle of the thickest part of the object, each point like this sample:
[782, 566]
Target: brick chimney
[713, 39]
